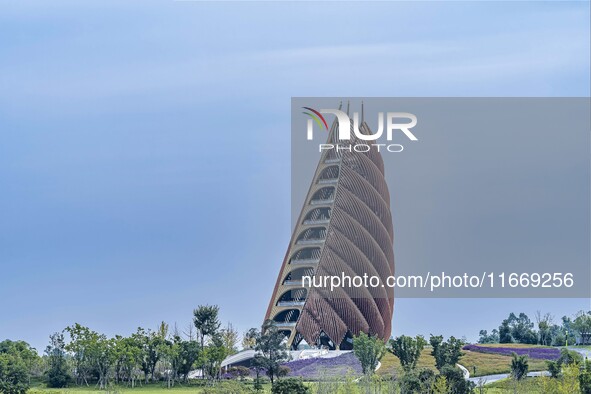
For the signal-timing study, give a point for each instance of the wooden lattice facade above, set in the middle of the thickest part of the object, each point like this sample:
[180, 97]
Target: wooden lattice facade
[345, 226]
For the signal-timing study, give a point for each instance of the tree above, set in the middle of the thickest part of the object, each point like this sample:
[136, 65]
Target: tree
[517, 329]
[206, 321]
[582, 326]
[102, 356]
[544, 328]
[149, 344]
[229, 337]
[456, 381]
[585, 378]
[170, 359]
[505, 332]
[408, 350]
[16, 361]
[290, 386]
[80, 338]
[249, 339]
[127, 354]
[519, 366]
[270, 343]
[484, 337]
[258, 364]
[188, 354]
[212, 356]
[446, 353]
[369, 350]
[440, 386]
[57, 373]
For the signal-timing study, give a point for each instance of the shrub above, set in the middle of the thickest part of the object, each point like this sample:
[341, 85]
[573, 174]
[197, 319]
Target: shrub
[14, 376]
[585, 378]
[519, 367]
[289, 386]
[455, 380]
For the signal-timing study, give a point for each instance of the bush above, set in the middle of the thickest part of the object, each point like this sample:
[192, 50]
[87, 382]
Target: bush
[554, 367]
[289, 386]
[585, 378]
[14, 376]
[455, 380]
[283, 371]
[410, 383]
[568, 357]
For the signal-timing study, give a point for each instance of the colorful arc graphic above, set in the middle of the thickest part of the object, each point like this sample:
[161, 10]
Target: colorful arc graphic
[317, 116]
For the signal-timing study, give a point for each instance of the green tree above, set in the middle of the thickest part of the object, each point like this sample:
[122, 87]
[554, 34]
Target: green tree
[519, 366]
[150, 346]
[270, 343]
[446, 353]
[229, 337]
[485, 337]
[249, 339]
[290, 386]
[258, 364]
[456, 381]
[170, 359]
[517, 329]
[585, 378]
[57, 373]
[407, 349]
[127, 354]
[102, 356]
[206, 322]
[544, 328]
[212, 356]
[440, 385]
[78, 346]
[505, 332]
[16, 362]
[369, 350]
[188, 354]
[582, 326]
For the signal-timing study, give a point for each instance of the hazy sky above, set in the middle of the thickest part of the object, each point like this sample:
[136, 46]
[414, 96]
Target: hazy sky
[144, 146]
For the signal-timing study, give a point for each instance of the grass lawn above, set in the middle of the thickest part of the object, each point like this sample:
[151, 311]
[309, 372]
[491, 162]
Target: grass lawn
[221, 387]
[486, 363]
[490, 364]
[511, 345]
[391, 363]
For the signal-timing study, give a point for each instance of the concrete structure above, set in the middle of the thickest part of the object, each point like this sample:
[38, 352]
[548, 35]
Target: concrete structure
[345, 227]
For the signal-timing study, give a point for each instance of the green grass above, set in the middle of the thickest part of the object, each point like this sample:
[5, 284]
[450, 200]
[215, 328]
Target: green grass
[391, 364]
[490, 364]
[196, 388]
[511, 345]
[486, 363]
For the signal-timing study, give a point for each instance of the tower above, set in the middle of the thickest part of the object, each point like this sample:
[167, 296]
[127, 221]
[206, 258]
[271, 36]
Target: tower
[344, 228]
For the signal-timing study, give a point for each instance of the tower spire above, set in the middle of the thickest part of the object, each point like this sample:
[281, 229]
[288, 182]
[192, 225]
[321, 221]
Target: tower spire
[362, 113]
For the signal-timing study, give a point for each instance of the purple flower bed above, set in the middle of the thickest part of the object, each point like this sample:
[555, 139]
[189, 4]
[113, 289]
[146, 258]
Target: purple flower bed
[534, 352]
[317, 368]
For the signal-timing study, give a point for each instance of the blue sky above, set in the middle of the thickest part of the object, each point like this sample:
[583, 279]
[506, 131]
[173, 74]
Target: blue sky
[144, 146]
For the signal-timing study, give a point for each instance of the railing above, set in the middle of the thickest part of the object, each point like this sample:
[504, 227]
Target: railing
[290, 303]
[309, 241]
[292, 282]
[304, 261]
[285, 323]
[320, 202]
[316, 221]
[327, 181]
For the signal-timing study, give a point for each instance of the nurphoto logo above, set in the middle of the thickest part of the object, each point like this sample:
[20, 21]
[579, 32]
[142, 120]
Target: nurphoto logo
[395, 122]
